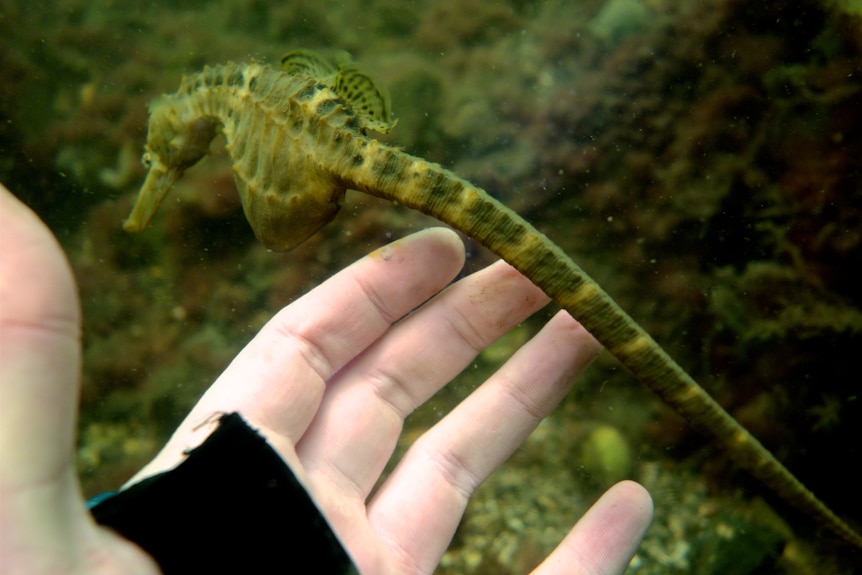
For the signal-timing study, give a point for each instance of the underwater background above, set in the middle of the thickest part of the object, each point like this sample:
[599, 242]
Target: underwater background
[702, 160]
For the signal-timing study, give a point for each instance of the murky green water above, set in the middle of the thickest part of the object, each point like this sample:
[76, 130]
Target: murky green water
[702, 160]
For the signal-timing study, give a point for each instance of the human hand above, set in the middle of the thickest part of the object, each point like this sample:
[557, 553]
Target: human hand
[354, 377]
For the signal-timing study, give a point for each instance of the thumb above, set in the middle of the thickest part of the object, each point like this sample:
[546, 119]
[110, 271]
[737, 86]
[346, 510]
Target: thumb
[39, 350]
[39, 366]
[45, 527]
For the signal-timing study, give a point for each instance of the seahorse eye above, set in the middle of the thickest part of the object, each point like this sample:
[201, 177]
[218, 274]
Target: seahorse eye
[147, 160]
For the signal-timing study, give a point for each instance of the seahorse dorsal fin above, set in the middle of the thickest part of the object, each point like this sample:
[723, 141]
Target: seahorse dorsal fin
[364, 95]
[309, 63]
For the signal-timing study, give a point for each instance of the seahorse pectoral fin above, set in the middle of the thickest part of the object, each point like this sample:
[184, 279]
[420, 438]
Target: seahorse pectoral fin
[159, 181]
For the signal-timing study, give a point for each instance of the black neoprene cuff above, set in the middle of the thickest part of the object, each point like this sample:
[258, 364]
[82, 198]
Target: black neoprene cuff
[233, 506]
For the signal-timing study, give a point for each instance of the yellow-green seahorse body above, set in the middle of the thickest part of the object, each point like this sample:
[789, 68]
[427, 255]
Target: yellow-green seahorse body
[297, 142]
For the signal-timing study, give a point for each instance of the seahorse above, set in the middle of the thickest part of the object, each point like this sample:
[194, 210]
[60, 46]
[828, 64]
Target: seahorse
[297, 138]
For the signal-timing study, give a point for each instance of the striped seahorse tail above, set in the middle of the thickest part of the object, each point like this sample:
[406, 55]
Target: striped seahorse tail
[380, 170]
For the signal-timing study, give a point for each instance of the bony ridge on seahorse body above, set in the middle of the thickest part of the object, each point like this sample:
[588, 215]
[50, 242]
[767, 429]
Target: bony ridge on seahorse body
[297, 141]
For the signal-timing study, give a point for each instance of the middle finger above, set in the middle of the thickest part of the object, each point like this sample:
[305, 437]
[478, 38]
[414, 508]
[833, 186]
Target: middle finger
[362, 413]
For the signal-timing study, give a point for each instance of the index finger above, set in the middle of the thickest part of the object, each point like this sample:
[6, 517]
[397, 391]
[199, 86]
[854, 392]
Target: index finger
[278, 380]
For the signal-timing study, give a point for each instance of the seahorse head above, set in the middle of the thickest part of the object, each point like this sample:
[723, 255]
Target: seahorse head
[174, 144]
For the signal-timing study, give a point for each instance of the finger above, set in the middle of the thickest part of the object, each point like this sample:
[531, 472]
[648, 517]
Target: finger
[41, 512]
[419, 506]
[277, 381]
[606, 538]
[39, 350]
[45, 526]
[360, 419]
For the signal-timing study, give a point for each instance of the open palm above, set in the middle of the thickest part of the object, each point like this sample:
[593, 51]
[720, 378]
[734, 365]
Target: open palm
[357, 368]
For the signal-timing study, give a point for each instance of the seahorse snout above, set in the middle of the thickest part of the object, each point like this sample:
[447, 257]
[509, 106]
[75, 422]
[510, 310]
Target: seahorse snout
[159, 181]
